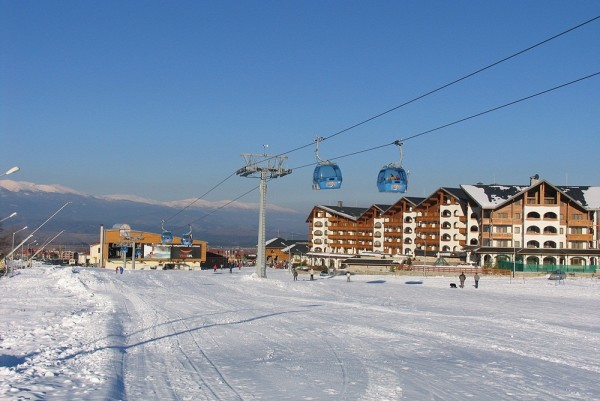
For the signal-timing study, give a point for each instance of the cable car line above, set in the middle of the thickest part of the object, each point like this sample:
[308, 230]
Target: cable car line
[396, 142]
[431, 92]
[464, 77]
[200, 197]
[461, 119]
[480, 70]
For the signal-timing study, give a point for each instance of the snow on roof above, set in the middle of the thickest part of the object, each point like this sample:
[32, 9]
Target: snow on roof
[352, 213]
[588, 197]
[490, 196]
[592, 197]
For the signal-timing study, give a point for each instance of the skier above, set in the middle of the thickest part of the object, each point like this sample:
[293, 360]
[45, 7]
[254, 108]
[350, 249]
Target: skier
[215, 268]
[121, 269]
[312, 274]
[348, 276]
[295, 274]
[462, 279]
[476, 277]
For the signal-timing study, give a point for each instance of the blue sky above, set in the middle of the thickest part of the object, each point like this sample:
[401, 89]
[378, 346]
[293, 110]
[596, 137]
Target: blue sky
[158, 99]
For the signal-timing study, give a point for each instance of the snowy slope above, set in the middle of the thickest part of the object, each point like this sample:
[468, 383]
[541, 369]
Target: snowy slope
[190, 335]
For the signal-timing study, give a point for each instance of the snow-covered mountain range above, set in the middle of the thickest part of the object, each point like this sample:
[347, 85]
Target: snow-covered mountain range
[222, 222]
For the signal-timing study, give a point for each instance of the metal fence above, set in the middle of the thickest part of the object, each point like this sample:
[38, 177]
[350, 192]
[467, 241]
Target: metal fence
[535, 268]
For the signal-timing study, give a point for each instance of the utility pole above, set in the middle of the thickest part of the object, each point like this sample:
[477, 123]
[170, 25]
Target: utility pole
[265, 167]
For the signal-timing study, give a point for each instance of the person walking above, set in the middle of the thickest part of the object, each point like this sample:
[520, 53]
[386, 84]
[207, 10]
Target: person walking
[476, 277]
[348, 277]
[295, 274]
[312, 274]
[215, 268]
[462, 279]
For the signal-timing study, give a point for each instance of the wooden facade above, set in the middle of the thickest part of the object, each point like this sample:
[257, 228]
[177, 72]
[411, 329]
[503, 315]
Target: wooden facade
[541, 220]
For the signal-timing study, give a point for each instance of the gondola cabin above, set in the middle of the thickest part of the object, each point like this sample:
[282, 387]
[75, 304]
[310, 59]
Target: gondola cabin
[392, 179]
[166, 237]
[327, 176]
[186, 239]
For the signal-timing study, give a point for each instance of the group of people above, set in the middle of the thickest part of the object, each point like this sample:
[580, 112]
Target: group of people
[119, 269]
[312, 274]
[462, 279]
[230, 266]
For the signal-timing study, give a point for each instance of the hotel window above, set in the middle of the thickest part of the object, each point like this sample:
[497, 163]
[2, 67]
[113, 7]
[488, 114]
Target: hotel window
[577, 216]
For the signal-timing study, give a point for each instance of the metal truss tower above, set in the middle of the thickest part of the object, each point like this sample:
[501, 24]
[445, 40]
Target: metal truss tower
[265, 167]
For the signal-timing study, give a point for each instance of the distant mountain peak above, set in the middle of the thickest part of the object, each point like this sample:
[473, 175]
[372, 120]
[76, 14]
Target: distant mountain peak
[24, 186]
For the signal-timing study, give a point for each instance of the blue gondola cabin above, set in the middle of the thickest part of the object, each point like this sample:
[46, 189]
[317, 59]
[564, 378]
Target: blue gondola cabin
[166, 237]
[327, 176]
[186, 239]
[392, 179]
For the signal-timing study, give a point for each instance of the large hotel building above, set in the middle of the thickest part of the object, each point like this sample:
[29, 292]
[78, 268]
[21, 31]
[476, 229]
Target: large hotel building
[539, 224]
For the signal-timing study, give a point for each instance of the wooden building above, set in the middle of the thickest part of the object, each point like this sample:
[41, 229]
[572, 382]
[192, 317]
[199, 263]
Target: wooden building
[537, 223]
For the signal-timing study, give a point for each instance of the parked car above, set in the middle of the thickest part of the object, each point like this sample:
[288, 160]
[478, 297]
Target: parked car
[557, 275]
[324, 273]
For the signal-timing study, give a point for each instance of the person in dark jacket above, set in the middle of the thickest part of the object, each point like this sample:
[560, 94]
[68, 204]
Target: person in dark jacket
[462, 279]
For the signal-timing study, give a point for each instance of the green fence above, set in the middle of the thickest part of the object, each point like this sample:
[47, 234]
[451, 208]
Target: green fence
[526, 268]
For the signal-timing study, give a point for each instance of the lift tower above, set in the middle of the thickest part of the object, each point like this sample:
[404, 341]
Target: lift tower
[265, 167]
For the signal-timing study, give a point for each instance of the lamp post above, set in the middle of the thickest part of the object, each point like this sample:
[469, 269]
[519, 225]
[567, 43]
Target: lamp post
[13, 214]
[23, 246]
[10, 171]
[13, 240]
[44, 245]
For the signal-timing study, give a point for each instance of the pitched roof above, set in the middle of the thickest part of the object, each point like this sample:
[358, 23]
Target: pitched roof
[352, 213]
[414, 199]
[456, 192]
[586, 196]
[491, 196]
[382, 207]
[278, 242]
[297, 248]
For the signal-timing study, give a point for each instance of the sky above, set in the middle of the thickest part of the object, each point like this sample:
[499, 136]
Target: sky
[159, 99]
[90, 334]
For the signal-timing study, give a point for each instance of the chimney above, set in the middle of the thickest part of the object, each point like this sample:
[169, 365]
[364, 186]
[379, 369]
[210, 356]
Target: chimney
[534, 179]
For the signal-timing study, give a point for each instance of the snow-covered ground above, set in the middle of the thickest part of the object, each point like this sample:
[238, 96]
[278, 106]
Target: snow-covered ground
[91, 334]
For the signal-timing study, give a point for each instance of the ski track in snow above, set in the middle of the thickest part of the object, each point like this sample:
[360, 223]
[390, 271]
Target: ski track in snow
[73, 334]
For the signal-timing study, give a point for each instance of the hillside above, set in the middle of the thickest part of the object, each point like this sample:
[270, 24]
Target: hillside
[232, 225]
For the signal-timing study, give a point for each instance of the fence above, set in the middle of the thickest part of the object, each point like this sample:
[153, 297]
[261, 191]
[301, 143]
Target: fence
[535, 268]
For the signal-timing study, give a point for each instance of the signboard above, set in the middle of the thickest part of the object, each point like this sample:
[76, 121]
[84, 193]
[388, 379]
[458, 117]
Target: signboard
[157, 251]
[186, 252]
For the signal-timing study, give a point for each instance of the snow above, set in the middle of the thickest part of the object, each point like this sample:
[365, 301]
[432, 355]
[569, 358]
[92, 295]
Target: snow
[18, 186]
[75, 334]
[592, 197]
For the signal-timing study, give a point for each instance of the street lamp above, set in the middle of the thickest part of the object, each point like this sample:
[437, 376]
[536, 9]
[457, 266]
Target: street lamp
[28, 245]
[13, 214]
[10, 171]
[13, 240]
